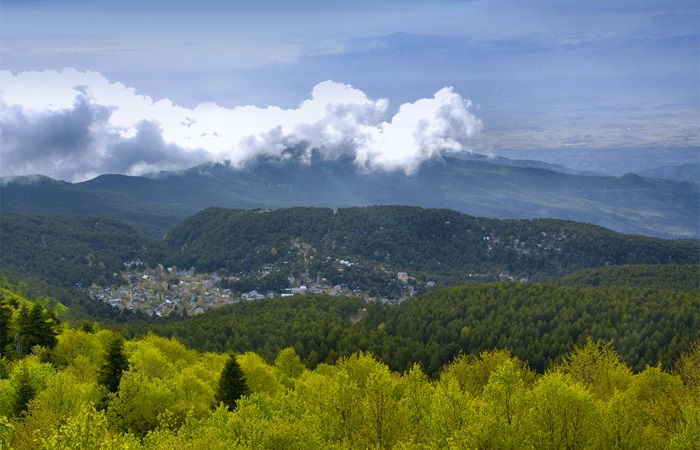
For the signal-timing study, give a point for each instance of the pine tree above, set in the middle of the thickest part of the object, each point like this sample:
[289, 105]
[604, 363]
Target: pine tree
[25, 393]
[37, 327]
[116, 363]
[5, 321]
[232, 384]
[45, 323]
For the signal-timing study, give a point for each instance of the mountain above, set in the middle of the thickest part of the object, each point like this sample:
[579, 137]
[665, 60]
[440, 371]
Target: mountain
[609, 161]
[531, 163]
[683, 172]
[629, 204]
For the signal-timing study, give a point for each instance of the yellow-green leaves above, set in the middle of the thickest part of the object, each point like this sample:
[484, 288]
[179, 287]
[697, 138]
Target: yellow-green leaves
[563, 414]
[493, 400]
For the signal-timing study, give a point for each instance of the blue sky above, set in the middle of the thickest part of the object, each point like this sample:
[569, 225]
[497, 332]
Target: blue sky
[521, 75]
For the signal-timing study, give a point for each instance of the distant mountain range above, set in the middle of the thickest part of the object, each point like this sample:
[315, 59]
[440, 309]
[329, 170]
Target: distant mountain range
[476, 185]
[683, 172]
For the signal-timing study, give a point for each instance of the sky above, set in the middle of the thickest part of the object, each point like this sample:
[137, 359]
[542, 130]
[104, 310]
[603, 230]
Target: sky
[92, 86]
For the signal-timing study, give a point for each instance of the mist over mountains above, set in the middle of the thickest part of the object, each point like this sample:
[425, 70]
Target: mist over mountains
[479, 186]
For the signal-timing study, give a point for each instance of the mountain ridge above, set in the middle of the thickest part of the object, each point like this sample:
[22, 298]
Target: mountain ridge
[477, 186]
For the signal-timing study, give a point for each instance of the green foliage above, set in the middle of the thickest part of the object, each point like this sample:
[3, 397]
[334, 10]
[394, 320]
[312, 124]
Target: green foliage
[537, 323]
[436, 243]
[116, 363]
[675, 277]
[688, 368]
[87, 429]
[259, 376]
[232, 384]
[25, 392]
[289, 366]
[139, 402]
[5, 326]
[597, 366]
[312, 325]
[493, 400]
[24, 325]
[563, 414]
[66, 250]
[37, 327]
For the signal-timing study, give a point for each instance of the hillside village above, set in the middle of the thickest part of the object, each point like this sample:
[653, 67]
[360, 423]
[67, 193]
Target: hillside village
[165, 291]
[162, 291]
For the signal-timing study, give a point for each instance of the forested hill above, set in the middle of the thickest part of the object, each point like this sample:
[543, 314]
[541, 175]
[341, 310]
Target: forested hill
[89, 388]
[537, 322]
[357, 247]
[683, 278]
[66, 250]
[435, 242]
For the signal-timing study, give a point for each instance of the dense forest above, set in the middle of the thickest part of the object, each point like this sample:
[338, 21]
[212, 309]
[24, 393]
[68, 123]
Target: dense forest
[431, 241]
[66, 250]
[674, 277]
[593, 343]
[537, 322]
[443, 246]
[89, 388]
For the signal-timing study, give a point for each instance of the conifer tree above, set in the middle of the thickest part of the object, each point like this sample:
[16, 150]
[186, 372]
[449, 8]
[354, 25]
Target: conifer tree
[25, 392]
[37, 327]
[232, 384]
[5, 321]
[116, 363]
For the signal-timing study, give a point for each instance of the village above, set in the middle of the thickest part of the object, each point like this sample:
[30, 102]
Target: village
[163, 291]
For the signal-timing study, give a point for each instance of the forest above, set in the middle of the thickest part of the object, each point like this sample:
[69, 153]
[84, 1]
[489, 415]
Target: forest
[432, 241]
[437, 245]
[538, 322]
[594, 343]
[89, 388]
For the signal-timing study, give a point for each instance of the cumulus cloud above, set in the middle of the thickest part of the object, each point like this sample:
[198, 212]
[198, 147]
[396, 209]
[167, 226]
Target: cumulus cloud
[74, 125]
[79, 143]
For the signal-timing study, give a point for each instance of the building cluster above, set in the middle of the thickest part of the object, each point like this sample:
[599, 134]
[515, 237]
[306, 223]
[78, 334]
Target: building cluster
[165, 291]
[162, 292]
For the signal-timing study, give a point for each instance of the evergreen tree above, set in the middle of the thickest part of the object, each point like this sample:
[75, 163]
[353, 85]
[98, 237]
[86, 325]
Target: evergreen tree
[116, 363]
[45, 323]
[5, 321]
[37, 327]
[232, 384]
[25, 392]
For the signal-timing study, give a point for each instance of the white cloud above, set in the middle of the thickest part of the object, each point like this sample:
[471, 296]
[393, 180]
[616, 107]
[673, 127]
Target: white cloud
[80, 123]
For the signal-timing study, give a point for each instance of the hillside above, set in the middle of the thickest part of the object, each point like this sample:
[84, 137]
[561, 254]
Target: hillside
[441, 244]
[479, 187]
[356, 248]
[66, 250]
[683, 278]
[683, 172]
[539, 323]
[91, 389]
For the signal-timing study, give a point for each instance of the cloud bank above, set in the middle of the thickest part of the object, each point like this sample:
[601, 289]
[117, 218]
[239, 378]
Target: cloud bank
[75, 125]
